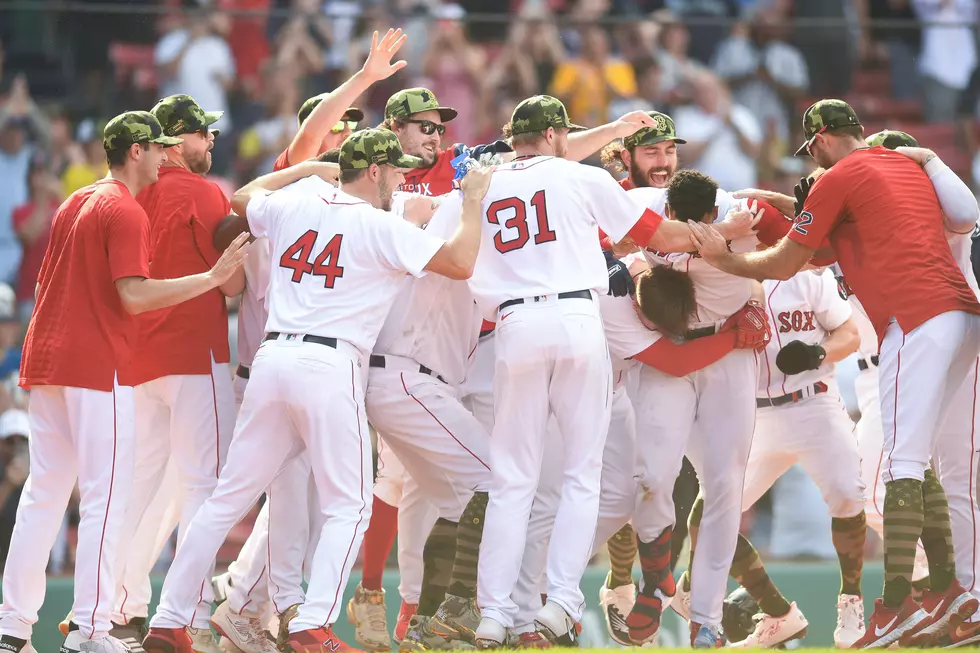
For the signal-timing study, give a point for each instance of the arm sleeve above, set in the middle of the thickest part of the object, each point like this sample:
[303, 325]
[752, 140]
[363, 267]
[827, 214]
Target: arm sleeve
[955, 197]
[821, 212]
[282, 161]
[127, 232]
[616, 212]
[403, 246]
[831, 310]
[687, 357]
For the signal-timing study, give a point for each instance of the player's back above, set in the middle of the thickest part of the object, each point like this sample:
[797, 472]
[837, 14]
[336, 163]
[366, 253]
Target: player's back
[541, 219]
[335, 261]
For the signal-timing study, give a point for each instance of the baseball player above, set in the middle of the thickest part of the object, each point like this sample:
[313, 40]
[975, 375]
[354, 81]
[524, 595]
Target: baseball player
[550, 353]
[95, 277]
[928, 323]
[328, 295]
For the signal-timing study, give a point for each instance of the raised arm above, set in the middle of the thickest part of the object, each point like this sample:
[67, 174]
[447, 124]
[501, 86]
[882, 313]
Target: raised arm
[958, 202]
[583, 144]
[276, 180]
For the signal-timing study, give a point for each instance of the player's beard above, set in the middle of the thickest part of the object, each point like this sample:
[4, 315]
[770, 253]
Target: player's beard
[385, 192]
[200, 164]
[641, 178]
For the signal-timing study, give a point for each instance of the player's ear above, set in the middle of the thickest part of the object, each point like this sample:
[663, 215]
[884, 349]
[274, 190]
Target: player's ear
[713, 214]
[626, 158]
[669, 212]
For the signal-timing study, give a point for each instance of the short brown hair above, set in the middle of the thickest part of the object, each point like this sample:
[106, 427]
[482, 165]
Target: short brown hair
[349, 176]
[854, 131]
[117, 157]
[521, 140]
[330, 156]
[667, 299]
[611, 157]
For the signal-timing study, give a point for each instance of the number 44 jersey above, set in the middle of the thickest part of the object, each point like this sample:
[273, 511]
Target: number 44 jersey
[541, 220]
[336, 261]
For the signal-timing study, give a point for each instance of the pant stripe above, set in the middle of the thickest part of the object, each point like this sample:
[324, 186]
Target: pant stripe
[898, 371]
[217, 430]
[443, 426]
[251, 589]
[268, 556]
[108, 507]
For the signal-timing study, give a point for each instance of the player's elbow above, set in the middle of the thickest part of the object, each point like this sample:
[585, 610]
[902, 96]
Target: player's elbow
[459, 270]
[850, 338]
[130, 297]
[451, 263]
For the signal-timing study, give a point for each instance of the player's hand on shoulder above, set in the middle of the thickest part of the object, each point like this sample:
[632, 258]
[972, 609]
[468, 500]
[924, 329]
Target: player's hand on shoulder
[708, 242]
[419, 210]
[741, 222]
[797, 357]
[476, 182]
[920, 155]
[751, 326]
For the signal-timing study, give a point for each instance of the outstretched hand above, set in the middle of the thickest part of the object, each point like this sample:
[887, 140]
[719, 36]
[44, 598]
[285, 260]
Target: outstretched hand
[378, 65]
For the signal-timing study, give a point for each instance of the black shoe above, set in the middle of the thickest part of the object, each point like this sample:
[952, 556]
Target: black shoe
[131, 634]
[12, 644]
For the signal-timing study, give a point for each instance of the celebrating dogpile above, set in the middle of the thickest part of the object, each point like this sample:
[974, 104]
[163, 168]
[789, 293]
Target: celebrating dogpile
[548, 356]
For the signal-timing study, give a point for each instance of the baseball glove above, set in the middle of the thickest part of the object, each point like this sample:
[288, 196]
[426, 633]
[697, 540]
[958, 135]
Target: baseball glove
[738, 615]
[751, 326]
[801, 190]
[798, 357]
[620, 280]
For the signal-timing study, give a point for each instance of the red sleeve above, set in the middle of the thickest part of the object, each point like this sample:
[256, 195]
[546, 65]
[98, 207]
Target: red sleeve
[687, 357]
[127, 232]
[645, 227]
[282, 162]
[211, 207]
[822, 211]
[773, 225]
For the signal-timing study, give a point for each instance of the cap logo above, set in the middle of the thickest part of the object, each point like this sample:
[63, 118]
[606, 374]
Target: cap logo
[659, 123]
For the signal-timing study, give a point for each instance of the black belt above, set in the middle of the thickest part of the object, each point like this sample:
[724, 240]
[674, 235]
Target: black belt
[377, 360]
[242, 371]
[486, 332]
[818, 388]
[863, 364]
[700, 332]
[575, 294]
[320, 340]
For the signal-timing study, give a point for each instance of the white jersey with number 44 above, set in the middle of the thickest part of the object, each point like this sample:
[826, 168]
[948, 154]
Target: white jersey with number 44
[541, 220]
[336, 261]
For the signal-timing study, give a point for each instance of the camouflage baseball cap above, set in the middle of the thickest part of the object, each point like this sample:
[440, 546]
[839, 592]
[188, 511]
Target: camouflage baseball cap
[539, 112]
[891, 139]
[663, 130]
[353, 113]
[379, 146]
[824, 115]
[135, 127]
[181, 114]
[415, 100]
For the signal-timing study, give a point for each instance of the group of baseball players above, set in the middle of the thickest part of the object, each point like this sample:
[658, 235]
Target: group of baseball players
[539, 348]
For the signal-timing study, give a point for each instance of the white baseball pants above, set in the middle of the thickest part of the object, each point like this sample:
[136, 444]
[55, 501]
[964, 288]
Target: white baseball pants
[82, 434]
[551, 358]
[920, 373]
[710, 416]
[301, 397]
[817, 433]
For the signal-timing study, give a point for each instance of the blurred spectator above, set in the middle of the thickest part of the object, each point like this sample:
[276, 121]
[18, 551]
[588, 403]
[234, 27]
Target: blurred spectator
[675, 64]
[88, 162]
[712, 27]
[261, 143]
[588, 84]
[901, 44]
[15, 430]
[453, 70]
[10, 351]
[342, 17]
[723, 138]
[32, 222]
[949, 54]
[767, 75]
[62, 148]
[825, 38]
[15, 156]
[194, 58]
[302, 42]
[248, 41]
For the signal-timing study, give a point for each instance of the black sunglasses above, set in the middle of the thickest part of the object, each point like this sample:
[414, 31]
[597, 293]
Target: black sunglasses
[428, 127]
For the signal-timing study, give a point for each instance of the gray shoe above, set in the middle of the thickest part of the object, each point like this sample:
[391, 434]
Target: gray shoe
[131, 634]
[457, 619]
[420, 637]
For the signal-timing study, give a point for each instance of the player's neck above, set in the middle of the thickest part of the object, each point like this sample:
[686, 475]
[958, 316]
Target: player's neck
[366, 193]
[128, 177]
[528, 151]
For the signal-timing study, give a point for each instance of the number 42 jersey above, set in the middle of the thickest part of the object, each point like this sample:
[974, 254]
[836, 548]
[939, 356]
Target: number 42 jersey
[541, 220]
[336, 261]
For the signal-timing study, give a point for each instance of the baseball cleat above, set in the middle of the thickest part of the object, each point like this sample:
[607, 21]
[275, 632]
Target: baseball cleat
[366, 612]
[533, 639]
[167, 640]
[75, 642]
[405, 614]
[945, 610]
[962, 635]
[490, 634]
[706, 636]
[203, 640]
[616, 603]
[772, 632]
[284, 619]
[888, 625]
[681, 603]
[221, 585]
[65, 624]
[456, 619]
[245, 633]
[850, 620]
[421, 637]
[318, 640]
[131, 634]
[556, 625]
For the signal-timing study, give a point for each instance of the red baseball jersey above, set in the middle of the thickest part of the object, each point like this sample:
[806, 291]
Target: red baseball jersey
[80, 335]
[437, 180]
[880, 213]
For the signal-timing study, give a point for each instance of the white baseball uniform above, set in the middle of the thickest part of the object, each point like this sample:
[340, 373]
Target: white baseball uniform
[708, 415]
[801, 418]
[337, 262]
[537, 276]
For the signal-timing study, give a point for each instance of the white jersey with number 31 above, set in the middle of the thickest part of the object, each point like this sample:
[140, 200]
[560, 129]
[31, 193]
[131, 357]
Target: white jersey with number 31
[541, 218]
[336, 261]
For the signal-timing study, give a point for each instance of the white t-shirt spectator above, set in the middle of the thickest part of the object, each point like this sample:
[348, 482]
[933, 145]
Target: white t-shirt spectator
[949, 51]
[722, 159]
[13, 193]
[206, 62]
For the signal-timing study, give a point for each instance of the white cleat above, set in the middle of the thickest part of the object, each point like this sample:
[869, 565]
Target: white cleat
[770, 632]
[490, 634]
[366, 612]
[244, 633]
[850, 620]
[616, 604]
[556, 625]
[681, 603]
[203, 640]
[76, 643]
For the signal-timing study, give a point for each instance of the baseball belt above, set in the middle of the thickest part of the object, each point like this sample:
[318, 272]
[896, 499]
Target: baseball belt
[866, 363]
[700, 332]
[575, 294]
[242, 371]
[319, 340]
[378, 360]
[817, 388]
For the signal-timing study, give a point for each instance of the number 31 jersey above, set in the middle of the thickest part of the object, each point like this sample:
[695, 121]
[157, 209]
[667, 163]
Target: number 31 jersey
[541, 220]
[336, 261]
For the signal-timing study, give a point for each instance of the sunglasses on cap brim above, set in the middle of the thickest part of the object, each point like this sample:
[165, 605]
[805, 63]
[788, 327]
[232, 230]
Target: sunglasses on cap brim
[342, 125]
